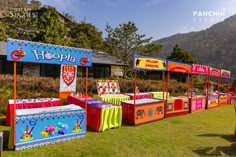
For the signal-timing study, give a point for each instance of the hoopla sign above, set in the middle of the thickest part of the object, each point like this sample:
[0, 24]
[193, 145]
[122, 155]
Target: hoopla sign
[27, 51]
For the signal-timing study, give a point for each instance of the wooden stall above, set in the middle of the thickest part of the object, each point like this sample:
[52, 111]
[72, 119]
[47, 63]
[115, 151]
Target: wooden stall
[27, 51]
[212, 88]
[197, 101]
[225, 92]
[144, 110]
[176, 106]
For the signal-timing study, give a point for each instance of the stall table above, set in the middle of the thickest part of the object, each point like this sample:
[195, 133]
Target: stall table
[212, 101]
[29, 103]
[146, 110]
[177, 106]
[42, 126]
[112, 98]
[78, 100]
[101, 116]
[158, 95]
[139, 95]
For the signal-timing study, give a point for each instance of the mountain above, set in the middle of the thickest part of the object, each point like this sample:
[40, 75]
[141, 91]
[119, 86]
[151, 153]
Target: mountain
[215, 46]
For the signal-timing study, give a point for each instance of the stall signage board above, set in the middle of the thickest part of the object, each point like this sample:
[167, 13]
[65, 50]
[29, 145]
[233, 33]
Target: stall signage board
[178, 67]
[147, 63]
[225, 73]
[27, 51]
[214, 72]
[200, 69]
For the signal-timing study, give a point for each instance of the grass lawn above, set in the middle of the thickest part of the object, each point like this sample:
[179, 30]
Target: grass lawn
[205, 133]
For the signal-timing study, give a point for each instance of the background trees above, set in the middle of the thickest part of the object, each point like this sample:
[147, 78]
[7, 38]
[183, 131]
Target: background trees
[50, 29]
[181, 55]
[124, 41]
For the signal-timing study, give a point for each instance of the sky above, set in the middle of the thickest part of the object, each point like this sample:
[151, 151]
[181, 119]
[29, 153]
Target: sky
[153, 18]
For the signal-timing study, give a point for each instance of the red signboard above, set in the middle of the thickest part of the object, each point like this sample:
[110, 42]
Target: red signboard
[225, 73]
[200, 69]
[214, 72]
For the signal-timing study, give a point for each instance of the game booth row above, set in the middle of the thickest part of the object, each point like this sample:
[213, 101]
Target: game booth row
[37, 122]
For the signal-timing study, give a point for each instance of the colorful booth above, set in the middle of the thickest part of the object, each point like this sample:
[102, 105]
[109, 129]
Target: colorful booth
[212, 88]
[101, 116]
[41, 126]
[109, 91]
[197, 102]
[27, 51]
[143, 110]
[225, 96]
[176, 106]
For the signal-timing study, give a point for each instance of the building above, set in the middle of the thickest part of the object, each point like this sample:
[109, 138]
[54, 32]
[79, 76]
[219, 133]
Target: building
[103, 66]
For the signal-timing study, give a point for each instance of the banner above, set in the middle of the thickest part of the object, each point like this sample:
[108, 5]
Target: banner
[178, 67]
[200, 69]
[146, 63]
[224, 73]
[67, 80]
[214, 72]
[27, 51]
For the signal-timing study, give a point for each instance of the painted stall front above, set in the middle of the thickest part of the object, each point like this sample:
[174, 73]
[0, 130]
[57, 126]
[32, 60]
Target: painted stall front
[197, 101]
[42, 126]
[176, 106]
[142, 111]
[225, 96]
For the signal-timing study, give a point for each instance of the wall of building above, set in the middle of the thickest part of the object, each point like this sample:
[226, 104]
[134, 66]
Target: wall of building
[31, 69]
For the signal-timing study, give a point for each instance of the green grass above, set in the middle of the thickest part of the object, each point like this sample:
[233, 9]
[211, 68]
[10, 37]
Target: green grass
[205, 133]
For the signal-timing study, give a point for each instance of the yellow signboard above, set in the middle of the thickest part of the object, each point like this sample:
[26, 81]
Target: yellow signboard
[145, 63]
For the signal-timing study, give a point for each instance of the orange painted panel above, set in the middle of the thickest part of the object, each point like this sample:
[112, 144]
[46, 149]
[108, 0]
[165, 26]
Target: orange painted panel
[144, 112]
[179, 67]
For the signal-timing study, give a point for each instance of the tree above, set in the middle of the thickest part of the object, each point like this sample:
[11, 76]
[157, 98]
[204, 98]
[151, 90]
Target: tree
[86, 35]
[181, 55]
[151, 49]
[6, 32]
[124, 42]
[50, 29]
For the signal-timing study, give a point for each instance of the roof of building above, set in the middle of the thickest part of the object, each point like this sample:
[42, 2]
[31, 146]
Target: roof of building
[105, 58]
